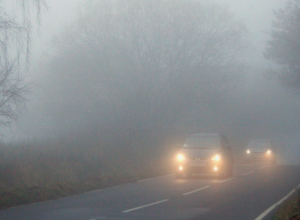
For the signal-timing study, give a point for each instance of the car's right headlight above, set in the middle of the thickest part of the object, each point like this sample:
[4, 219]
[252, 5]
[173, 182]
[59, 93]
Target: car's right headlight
[248, 151]
[180, 157]
[216, 158]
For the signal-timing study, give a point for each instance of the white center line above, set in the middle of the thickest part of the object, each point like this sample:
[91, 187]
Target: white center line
[196, 190]
[262, 215]
[227, 180]
[262, 167]
[140, 207]
[248, 172]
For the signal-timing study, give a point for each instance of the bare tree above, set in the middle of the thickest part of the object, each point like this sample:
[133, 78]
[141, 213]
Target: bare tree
[284, 46]
[142, 65]
[15, 39]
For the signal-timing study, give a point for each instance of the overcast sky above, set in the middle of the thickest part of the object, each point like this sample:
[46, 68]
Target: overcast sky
[256, 14]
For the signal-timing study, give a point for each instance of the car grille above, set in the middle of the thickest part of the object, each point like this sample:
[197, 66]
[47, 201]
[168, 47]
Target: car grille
[259, 156]
[196, 159]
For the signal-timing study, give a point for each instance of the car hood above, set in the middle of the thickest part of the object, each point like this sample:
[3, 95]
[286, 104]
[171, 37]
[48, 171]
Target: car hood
[203, 154]
[258, 150]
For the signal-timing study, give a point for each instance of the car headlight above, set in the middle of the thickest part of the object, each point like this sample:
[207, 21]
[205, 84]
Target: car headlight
[216, 158]
[269, 151]
[248, 151]
[180, 157]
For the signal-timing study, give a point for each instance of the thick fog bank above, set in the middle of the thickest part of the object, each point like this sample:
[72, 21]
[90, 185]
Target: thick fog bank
[81, 90]
[289, 149]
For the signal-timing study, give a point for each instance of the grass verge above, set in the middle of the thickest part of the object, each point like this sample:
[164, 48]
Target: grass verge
[22, 196]
[36, 171]
[290, 210]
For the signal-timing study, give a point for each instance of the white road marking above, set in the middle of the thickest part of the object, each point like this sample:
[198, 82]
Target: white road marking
[262, 215]
[262, 167]
[98, 190]
[140, 207]
[248, 173]
[154, 178]
[195, 190]
[227, 180]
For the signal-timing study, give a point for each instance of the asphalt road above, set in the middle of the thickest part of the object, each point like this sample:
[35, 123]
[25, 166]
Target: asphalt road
[252, 190]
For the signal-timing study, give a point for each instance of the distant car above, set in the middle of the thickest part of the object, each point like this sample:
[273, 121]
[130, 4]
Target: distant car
[261, 150]
[206, 153]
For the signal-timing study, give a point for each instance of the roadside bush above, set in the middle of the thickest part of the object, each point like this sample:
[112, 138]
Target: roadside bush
[36, 171]
[290, 210]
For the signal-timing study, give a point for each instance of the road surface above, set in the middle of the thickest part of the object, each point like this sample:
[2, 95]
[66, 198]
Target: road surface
[252, 190]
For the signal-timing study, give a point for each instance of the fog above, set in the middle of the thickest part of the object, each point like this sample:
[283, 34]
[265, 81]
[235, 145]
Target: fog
[136, 98]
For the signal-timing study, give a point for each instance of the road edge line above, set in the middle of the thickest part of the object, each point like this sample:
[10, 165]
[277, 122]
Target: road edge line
[144, 206]
[185, 194]
[267, 211]
[244, 174]
[154, 178]
[227, 180]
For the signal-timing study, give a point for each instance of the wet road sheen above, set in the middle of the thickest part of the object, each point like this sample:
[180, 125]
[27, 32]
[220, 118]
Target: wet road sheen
[251, 191]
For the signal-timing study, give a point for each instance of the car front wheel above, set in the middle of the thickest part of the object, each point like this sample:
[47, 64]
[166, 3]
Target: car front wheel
[226, 171]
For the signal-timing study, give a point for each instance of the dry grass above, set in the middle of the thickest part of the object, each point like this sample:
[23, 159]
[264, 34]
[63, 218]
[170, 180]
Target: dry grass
[290, 210]
[33, 171]
[37, 171]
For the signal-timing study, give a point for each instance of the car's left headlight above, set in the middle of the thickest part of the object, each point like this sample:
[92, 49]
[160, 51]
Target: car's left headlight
[180, 157]
[248, 151]
[216, 157]
[268, 151]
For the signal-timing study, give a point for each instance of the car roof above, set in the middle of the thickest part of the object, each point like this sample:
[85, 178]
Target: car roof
[260, 140]
[205, 135]
[261, 143]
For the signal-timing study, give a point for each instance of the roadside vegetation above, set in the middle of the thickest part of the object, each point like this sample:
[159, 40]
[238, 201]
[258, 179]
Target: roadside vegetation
[36, 171]
[291, 208]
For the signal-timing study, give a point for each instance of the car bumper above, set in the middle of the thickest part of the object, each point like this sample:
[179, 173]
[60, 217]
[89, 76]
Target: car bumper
[205, 167]
[261, 157]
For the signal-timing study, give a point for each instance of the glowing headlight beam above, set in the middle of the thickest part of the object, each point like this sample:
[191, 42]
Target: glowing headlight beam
[248, 151]
[216, 158]
[269, 151]
[180, 157]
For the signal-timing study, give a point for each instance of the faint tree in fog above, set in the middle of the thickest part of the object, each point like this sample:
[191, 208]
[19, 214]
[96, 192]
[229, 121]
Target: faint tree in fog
[284, 46]
[15, 39]
[142, 65]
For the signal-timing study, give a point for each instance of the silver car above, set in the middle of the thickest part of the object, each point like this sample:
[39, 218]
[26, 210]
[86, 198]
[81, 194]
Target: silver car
[205, 153]
[261, 150]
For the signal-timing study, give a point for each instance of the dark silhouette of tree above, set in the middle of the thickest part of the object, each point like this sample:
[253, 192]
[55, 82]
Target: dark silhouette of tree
[15, 39]
[284, 46]
[144, 65]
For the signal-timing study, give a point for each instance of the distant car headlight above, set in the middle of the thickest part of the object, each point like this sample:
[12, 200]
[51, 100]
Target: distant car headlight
[269, 151]
[248, 151]
[216, 158]
[180, 157]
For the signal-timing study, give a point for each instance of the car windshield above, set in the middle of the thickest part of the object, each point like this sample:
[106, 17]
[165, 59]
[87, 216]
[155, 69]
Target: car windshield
[210, 142]
[259, 144]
